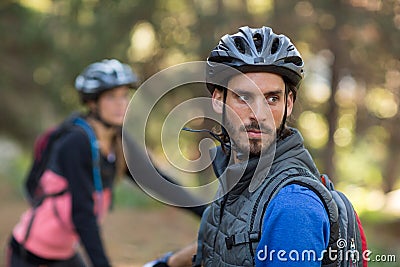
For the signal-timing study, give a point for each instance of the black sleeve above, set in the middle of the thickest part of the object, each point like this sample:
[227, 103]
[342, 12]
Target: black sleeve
[138, 158]
[75, 163]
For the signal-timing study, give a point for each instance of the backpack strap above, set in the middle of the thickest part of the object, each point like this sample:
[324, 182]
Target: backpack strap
[301, 177]
[95, 152]
[36, 204]
[352, 239]
[94, 145]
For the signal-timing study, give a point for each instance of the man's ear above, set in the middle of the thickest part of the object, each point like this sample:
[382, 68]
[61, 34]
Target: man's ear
[217, 100]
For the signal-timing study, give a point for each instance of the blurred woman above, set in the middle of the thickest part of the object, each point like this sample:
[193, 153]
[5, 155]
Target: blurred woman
[48, 235]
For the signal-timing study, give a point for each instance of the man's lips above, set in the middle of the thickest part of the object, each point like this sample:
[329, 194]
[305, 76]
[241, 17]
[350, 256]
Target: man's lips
[254, 133]
[255, 130]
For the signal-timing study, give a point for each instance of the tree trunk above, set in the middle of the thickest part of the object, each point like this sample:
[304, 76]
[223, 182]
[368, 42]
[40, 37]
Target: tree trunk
[335, 46]
[391, 173]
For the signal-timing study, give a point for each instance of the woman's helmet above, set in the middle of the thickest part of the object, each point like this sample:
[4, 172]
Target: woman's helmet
[254, 50]
[104, 75]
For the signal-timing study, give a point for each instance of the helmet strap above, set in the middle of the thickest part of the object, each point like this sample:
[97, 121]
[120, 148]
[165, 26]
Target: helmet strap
[224, 111]
[226, 144]
[96, 115]
[283, 123]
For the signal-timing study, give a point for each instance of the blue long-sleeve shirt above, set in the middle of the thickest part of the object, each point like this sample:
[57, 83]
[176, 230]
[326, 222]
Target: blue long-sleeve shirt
[295, 230]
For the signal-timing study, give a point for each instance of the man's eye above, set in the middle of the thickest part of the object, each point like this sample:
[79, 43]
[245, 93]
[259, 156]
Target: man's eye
[244, 98]
[272, 99]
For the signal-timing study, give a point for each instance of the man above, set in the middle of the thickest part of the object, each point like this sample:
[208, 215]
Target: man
[239, 228]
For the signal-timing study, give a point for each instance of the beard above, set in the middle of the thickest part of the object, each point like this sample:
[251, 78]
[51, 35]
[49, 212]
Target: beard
[253, 147]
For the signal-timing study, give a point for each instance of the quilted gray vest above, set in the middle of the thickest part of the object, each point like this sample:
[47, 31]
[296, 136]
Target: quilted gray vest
[231, 226]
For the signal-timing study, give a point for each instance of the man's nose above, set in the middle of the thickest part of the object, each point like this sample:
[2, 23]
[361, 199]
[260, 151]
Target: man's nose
[260, 110]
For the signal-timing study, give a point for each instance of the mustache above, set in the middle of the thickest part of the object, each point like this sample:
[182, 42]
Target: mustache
[255, 126]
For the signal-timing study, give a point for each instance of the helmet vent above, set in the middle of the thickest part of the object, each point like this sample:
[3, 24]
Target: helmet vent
[240, 46]
[275, 46]
[295, 60]
[258, 41]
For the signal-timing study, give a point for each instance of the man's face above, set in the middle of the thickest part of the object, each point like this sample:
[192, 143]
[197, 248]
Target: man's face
[255, 109]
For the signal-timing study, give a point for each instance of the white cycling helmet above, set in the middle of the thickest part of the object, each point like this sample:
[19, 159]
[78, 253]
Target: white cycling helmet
[104, 75]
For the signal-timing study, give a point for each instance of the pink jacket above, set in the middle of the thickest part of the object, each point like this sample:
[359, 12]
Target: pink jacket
[52, 234]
